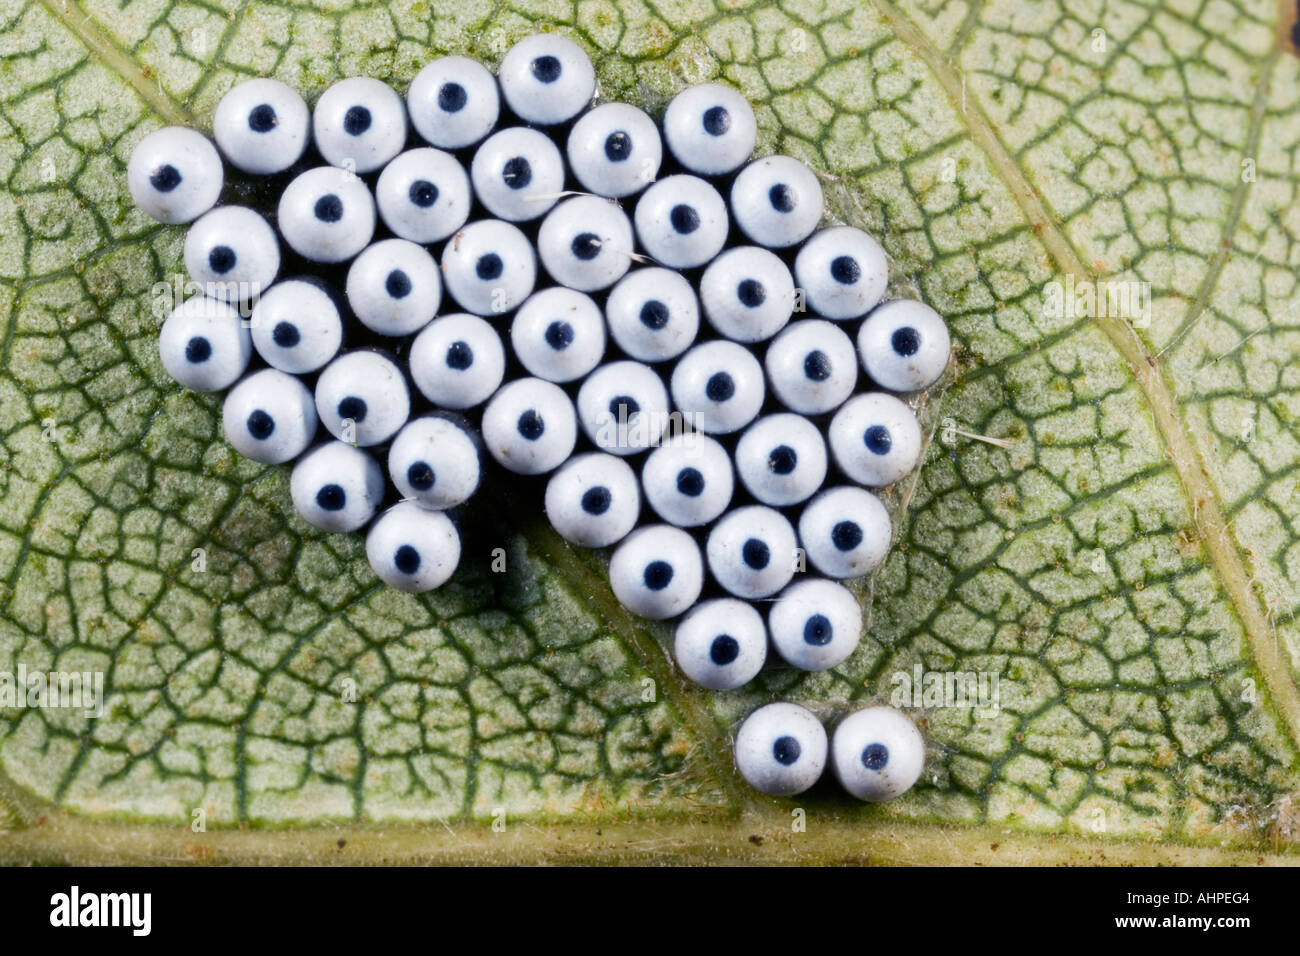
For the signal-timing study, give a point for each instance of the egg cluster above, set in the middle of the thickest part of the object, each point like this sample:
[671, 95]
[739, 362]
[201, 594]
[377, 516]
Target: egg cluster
[627, 319]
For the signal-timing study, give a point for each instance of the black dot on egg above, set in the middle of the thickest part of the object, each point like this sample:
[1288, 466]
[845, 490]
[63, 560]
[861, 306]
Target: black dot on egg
[530, 425]
[423, 193]
[654, 315]
[846, 535]
[657, 575]
[875, 756]
[786, 750]
[906, 341]
[684, 219]
[690, 482]
[221, 259]
[420, 476]
[489, 267]
[260, 425]
[547, 68]
[623, 407]
[353, 407]
[596, 500]
[398, 284]
[782, 459]
[285, 335]
[845, 270]
[756, 554]
[751, 293]
[452, 98]
[517, 172]
[198, 350]
[817, 366]
[459, 356]
[331, 497]
[406, 559]
[817, 630]
[329, 208]
[165, 178]
[716, 120]
[781, 197]
[262, 118]
[724, 650]
[877, 440]
[356, 120]
[618, 146]
[586, 246]
[558, 335]
[720, 387]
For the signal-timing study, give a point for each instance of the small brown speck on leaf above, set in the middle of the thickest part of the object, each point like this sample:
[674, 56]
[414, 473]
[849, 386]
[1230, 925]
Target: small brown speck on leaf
[197, 851]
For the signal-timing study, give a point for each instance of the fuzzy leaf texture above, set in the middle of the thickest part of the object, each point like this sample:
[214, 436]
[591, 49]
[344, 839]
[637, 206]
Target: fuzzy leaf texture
[1125, 560]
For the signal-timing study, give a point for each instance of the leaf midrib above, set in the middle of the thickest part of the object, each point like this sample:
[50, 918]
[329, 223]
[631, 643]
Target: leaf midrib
[763, 836]
[118, 59]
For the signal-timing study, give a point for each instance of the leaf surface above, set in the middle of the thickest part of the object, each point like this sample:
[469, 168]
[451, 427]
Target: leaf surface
[1125, 560]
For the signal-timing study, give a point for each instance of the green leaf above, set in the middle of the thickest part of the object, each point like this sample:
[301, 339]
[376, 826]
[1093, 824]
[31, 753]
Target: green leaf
[1123, 559]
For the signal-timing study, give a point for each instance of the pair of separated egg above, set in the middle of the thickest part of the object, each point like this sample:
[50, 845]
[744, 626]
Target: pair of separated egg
[876, 753]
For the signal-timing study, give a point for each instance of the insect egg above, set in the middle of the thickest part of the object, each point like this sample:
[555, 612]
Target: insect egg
[721, 644]
[585, 243]
[558, 334]
[453, 102]
[326, 215]
[359, 124]
[394, 287]
[457, 361]
[877, 753]
[336, 487]
[593, 500]
[413, 548]
[175, 175]
[232, 253]
[296, 326]
[776, 201]
[435, 462]
[710, 129]
[781, 749]
[269, 416]
[423, 195]
[752, 551]
[875, 439]
[547, 79]
[262, 126]
[614, 150]
[489, 267]
[657, 572]
[362, 398]
[517, 174]
[530, 426]
[904, 345]
[204, 344]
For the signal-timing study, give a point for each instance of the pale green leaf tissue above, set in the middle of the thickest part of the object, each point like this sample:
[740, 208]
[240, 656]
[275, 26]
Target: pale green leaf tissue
[1121, 569]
